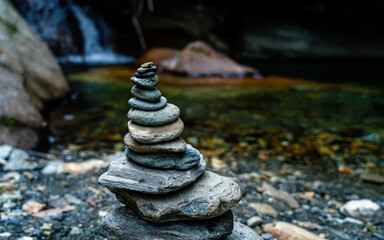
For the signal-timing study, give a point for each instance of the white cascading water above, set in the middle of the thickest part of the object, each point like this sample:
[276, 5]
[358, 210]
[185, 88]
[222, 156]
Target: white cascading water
[95, 53]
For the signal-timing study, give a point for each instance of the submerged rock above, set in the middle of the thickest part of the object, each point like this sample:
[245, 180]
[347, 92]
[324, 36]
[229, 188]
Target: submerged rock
[123, 223]
[125, 174]
[210, 196]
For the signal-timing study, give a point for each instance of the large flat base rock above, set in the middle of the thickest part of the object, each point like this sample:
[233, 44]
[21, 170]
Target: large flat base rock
[125, 174]
[124, 224]
[210, 196]
[243, 232]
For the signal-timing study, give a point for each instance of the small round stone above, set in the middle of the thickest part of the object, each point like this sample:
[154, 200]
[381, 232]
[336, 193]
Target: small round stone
[147, 106]
[176, 145]
[144, 75]
[180, 161]
[154, 118]
[146, 82]
[145, 94]
[155, 134]
[124, 224]
[147, 64]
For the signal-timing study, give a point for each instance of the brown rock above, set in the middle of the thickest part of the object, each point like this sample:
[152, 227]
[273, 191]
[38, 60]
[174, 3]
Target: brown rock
[196, 58]
[287, 231]
[150, 134]
[176, 145]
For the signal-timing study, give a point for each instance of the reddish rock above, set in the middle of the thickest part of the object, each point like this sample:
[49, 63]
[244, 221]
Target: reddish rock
[287, 231]
[197, 58]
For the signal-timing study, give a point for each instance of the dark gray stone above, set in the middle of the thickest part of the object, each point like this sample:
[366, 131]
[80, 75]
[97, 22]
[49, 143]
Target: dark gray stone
[124, 224]
[128, 175]
[176, 145]
[146, 69]
[145, 75]
[147, 106]
[210, 196]
[155, 134]
[145, 94]
[243, 232]
[146, 82]
[180, 161]
[154, 118]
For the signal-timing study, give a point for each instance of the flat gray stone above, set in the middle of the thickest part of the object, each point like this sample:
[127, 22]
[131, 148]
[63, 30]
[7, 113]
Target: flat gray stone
[176, 145]
[154, 118]
[243, 232]
[16, 161]
[180, 161]
[147, 69]
[155, 134]
[147, 106]
[125, 174]
[5, 151]
[210, 196]
[145, 94]
[124, 224]
[150, 82]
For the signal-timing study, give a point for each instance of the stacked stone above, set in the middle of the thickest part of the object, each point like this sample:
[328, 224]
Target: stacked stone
[162, 180]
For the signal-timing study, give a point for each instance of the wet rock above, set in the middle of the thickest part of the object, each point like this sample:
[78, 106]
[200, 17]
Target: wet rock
[197, 58]
[150, 82]
[5, 151]
[128, 175]
[254, 221]
[153, 118]
[363, 209]
[242, 232]
[124, 223]
[146, 134]
[144, 75]
[287, 231]
[145, 94]
[176, 145]
[29, 75]
[147, 106]
[264, 208]
[210, 196]
[182, 161]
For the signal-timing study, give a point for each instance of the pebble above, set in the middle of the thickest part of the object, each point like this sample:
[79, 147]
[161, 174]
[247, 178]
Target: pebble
[267, 236]
[16, 161]
[146, 82]
[181, 161]
[287, 231]
[364, 210]
[264, 208]
[51, 167]
[210, 196]
[254, 221]
[5, 235]
[124, 223]
[147, 106]
[2, 161]
[33, 206]
[76, 231]
[5, 151]
[147, 69]
[125, 174]
[153, 118]
[149, 95]
[155, 134]
[176, 145]
[242, 232]
[7, 186]
[72, 199]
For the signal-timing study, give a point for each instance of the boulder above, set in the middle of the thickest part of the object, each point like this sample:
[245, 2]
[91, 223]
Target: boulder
[29, 76]
[197, 58]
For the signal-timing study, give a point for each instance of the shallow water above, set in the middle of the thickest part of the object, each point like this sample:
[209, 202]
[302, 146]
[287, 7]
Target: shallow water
[268, 118]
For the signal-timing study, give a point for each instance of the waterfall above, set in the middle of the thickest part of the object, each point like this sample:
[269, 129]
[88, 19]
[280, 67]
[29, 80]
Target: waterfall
[97, 47]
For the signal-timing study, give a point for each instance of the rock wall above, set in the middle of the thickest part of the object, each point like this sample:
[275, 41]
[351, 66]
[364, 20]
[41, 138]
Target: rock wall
[29, 75]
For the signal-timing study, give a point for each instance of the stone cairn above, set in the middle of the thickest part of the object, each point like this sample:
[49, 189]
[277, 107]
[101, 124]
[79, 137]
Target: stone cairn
[162, 180]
